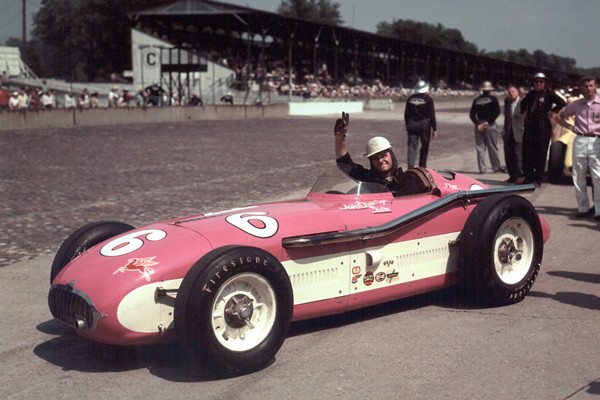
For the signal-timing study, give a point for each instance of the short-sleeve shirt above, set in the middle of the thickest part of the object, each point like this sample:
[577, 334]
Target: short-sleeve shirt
[587, 115]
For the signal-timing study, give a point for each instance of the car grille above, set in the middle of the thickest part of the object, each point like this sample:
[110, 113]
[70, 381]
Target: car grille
[73, 308]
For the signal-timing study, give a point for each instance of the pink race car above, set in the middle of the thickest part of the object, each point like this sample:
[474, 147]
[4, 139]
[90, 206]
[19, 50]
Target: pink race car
[228, 284]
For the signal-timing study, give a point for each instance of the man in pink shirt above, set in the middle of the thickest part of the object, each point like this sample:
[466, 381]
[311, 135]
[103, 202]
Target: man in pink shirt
[586, 147]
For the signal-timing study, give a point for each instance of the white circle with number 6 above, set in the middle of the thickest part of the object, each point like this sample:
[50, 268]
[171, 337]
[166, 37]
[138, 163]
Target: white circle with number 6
[131, 242]
[244, 221]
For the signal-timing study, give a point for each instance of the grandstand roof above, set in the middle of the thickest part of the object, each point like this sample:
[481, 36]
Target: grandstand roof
[243, 19]
[185, 18]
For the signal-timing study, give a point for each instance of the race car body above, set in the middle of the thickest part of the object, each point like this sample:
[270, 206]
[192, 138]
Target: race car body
[228, 283]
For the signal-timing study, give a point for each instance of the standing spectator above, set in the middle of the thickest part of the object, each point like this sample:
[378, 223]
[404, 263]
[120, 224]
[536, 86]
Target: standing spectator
[419, 117]
[125, 98]
[84, 99]
[140, 97]
[514, 124]
[113, 97]
[539, 106]
[48, 100]
[196, 101]
[154, 94]
[69, 100]
[23, 99]
[13, 102]
[586, 146]
[484, 112]
[94, 103]
[34, 98]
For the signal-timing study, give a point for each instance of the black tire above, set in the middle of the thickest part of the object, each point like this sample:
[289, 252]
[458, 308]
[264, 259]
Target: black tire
[501, 250]
[82, 239]
[219, 324]
[556, 162]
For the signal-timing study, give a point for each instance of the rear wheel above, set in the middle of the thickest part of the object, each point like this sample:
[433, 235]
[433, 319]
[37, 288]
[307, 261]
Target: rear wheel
[556, 162]
[502, 248]
[233, 310]
[82, 239]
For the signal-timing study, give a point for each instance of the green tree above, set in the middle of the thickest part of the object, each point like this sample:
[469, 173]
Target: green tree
[86, 39]
[426, 33]
[539, 59]
[321, 11]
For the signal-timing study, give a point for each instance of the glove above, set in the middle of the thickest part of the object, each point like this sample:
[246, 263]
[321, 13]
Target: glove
[341, 124]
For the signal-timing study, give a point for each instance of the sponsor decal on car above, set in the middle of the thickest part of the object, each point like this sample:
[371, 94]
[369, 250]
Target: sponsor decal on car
[378, 206]
[392, 275]
[368, 279]
[139, 264]
[380, 277]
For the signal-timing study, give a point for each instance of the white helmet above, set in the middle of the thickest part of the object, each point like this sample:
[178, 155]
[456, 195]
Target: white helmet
[539, 75]
[421, 87]
[486, 86]
[376, 145]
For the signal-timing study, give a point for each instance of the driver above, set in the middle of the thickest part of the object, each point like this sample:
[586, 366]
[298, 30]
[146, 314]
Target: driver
[384, 165]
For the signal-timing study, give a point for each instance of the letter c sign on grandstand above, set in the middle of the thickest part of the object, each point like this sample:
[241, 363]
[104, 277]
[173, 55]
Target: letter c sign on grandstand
[151, 58]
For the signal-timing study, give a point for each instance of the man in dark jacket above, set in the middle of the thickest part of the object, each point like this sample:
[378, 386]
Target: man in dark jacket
[419, 117]
[384, 167]
[484, 112]
[540, 106]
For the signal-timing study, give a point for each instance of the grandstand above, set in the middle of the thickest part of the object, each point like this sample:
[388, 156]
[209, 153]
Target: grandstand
[212, 49]
[11, 64]
[252, 42]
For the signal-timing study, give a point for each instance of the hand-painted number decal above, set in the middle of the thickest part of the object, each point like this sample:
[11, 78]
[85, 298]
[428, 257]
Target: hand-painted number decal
[131, 242]
[254, 223]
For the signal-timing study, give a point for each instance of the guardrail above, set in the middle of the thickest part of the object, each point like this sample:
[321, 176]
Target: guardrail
[33, 119]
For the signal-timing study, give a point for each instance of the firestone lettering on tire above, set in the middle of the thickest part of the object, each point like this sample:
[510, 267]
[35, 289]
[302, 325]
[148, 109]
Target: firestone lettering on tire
[227, 267]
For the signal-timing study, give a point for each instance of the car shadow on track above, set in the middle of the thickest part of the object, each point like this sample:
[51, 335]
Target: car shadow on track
[74, 353]
[71, 352]
[448, 298]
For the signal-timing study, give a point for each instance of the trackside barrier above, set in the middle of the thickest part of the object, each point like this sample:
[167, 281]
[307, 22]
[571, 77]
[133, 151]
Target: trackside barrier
[60, 118]
[320, 108]
[36, 119]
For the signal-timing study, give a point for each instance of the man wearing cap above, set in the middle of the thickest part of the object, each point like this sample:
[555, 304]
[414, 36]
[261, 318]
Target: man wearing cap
[419, 117]
[113, 97]
[384, 167]
[69, 100]
[13, 102]
[586, 146]
[484, 112]
[540, 106]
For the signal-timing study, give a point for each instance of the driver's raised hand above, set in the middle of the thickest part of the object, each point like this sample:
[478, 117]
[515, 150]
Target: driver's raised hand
[341, 124]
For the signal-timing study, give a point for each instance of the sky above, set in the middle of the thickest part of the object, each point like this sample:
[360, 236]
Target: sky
[567, 28]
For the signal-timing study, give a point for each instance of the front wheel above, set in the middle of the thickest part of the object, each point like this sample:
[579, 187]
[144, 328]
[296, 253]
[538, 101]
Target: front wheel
[233, 310]
[82, 239]
[502, 248]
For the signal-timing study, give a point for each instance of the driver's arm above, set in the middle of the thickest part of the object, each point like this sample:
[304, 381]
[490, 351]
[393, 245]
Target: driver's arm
[339, 132]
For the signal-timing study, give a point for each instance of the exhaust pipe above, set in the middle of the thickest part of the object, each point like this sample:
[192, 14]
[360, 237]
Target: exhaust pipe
[79, 324]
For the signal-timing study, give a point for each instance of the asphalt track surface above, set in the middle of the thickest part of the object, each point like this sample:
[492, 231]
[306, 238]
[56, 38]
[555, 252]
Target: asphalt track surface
[428, 347]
